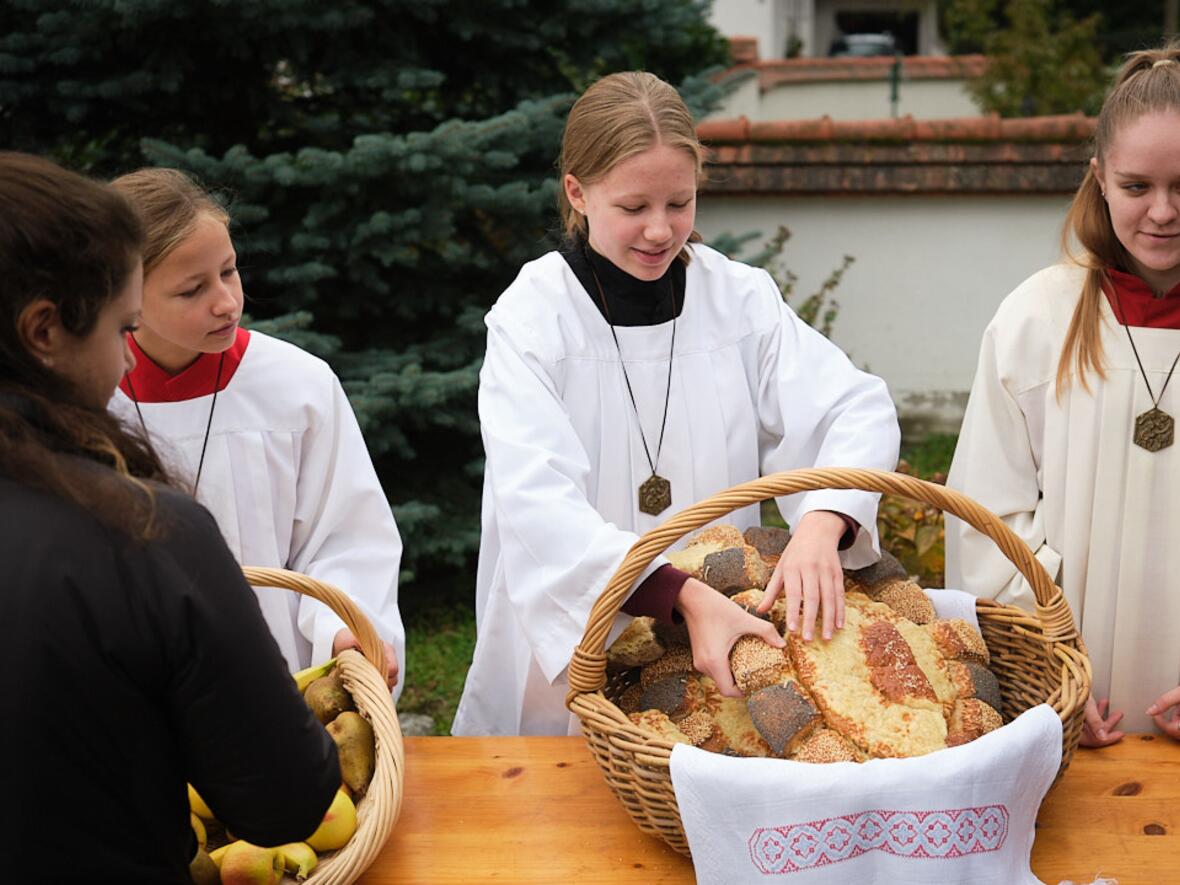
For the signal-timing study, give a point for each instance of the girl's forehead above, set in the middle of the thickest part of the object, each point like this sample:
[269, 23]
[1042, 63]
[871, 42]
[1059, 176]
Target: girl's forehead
[208, 242]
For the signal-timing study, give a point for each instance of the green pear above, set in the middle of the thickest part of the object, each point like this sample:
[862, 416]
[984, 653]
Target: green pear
[357, 748]
[203, 870]
[247, 864]
[298, 859]
[328, 697]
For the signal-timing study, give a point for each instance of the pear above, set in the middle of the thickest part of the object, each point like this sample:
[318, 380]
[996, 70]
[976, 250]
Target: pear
[247, 864]
[203, 870]
[356, 747]
[328, 697]
[304, 678]
[298, 859]
[198, 828]
[197, 805]
[337, 827]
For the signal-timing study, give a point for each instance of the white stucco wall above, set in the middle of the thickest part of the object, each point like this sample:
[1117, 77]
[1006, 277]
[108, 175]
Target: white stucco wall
[930, 272]
[752, 18]
[849, 100]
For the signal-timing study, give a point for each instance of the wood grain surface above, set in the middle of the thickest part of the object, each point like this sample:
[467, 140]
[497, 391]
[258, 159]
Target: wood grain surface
[538, 810]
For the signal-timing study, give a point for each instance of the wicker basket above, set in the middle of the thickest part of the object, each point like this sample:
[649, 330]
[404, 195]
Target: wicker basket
[362, 673]
[1037, 658]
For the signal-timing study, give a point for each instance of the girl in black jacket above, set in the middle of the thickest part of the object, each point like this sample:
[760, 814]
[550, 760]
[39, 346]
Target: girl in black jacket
[134, 656]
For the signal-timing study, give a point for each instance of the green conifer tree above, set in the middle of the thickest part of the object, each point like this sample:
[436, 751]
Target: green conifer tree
[389, 165]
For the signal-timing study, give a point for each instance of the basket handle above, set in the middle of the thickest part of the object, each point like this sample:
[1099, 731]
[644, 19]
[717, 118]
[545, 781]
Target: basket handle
[354, 619]
[587, 670]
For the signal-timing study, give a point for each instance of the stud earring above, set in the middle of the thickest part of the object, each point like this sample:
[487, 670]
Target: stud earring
[47, 361]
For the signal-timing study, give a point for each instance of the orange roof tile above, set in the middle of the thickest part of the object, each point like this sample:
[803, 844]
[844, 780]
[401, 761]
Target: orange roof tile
[1069, 128]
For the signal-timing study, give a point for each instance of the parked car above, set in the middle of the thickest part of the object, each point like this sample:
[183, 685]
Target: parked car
[863, 45]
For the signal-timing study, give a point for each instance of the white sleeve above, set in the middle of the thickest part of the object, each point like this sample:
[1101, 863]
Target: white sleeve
[817, 409]
[344, 532]
[994, 464]
[557, 551]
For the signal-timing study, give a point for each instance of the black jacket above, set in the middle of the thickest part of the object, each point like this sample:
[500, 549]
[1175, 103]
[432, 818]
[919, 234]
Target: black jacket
[126, 670]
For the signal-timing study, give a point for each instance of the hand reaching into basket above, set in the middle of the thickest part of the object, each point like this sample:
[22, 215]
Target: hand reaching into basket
[1166, 713]
[809, 572]
[714, 625]
[344, 639]
[1098, 726]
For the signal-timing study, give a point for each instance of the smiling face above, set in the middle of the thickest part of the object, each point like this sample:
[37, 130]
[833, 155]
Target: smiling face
[1140, 175]
[641, 213]
[192, 299]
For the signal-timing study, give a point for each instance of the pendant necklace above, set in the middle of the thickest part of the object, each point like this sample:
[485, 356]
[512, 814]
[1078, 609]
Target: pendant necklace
[208, 421]
[1155, 429]
[655, 493]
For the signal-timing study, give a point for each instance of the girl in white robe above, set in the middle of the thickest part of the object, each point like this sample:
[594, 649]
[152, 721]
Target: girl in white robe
[261, 429]
[747, 389]
[1050, 443]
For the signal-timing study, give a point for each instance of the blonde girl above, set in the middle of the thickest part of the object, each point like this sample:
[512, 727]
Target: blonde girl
[1069, 433]
[628, 375]
[260, 431]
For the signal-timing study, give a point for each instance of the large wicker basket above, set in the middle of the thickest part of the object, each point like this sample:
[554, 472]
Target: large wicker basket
[1037, 658]
[362, 673]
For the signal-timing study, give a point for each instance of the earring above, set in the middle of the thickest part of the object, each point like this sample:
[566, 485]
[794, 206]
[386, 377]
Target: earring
[47, 361]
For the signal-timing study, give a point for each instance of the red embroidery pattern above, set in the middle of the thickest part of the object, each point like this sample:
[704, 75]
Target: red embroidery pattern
[940, 835]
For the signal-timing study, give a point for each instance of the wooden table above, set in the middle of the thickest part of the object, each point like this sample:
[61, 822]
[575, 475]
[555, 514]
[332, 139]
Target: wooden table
[537, 810]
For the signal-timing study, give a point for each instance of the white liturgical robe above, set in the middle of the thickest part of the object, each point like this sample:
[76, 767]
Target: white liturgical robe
[1063, 473]
[289, 480]
[753, 390]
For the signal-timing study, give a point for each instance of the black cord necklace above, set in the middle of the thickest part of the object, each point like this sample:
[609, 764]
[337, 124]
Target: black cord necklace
[1155, 429]
[655, 493]
[208, 422]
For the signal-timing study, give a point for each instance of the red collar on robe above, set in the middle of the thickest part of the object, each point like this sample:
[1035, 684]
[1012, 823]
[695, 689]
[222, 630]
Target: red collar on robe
[155, 385]
[1139, 306]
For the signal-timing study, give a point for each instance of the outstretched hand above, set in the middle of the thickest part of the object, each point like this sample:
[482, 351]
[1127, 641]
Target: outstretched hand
[809, 573]
[344, 639]
[1166, 713]
[714, 624]
[1098, 728]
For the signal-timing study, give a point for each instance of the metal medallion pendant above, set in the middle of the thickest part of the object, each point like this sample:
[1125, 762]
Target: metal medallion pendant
[655, 495]
[1154, 430]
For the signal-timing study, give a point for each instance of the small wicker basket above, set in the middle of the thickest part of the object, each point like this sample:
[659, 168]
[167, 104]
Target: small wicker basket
[363, 676]
[1037, 658]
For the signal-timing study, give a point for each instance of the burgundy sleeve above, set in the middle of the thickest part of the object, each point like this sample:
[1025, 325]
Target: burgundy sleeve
[851, 528]
[657, 595]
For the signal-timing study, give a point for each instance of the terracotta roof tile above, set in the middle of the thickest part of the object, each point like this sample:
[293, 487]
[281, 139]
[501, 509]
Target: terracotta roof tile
[967, 155]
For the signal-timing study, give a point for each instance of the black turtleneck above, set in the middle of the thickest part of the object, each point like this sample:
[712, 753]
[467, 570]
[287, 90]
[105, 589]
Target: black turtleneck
[629, 301]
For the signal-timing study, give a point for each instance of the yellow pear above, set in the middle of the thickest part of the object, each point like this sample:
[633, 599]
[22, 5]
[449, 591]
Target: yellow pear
[304, 678]
[356, 748]
[197, 805]
[247, 864]
[203, 870]
[199, 829]
[337, 826]
[217, 854]
[328, 697]
[298, 858]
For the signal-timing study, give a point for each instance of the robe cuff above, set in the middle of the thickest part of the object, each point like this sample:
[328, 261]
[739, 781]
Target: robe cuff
[656, 596]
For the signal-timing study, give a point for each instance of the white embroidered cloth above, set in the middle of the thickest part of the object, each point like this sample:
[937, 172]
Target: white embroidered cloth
[961, 815]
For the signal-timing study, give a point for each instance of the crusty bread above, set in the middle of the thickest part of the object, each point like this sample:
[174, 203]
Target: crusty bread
[825, 745]
[970, 719]
[654, 720]
[674, 661]
[769, 541]
[637, 645]
[757, 664]
[847, 688]
[783, 715]
[734, 569]
[958, 640]
[908, 600]
[722, 535]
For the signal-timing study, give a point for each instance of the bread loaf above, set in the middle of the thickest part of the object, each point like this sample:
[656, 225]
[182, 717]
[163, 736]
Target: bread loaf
[757, 664]
[770, 542]
[783, 715]
[734, 569]
[637, 645]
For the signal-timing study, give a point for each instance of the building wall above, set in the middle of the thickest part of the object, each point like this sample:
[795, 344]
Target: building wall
[930, 272]
[848, 100]
[752, 18]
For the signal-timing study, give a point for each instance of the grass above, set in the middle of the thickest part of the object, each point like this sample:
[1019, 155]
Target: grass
[440, 621]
